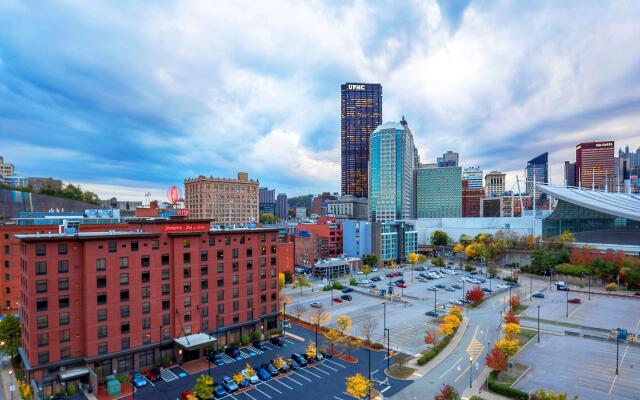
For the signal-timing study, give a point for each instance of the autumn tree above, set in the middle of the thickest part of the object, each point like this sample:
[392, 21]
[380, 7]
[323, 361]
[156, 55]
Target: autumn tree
[367, 326]
[250, 371]
[447, 392]
[458, 248]
[281, 279]
[358, 386]
[279, 362]
[510, 317]
[238, 378]
[430, 337]
[496, 359]
[333, 337]
[457, 311]
[352, 343]
[475, 295]
[203, 387]
[343, 323]
[299, 310]
[511, 331]
[318, 316]
[300, 281]
[311, 350]
[452, 320]
[366, 270]
[413, 258]
[285, 301]
[509, 346]
[540, 394]
[445, 329]
[515, 302]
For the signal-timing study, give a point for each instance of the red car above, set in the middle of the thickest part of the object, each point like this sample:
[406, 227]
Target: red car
[574, 301]
[185, 395]
[153, 374]
[402, 285]
[337, 300]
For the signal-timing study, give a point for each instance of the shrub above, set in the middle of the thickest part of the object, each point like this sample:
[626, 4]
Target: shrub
[476, 398]
[469, 268]
[377, 345]
[505, 390]
[257, 335]
[122, 378]
[353, 282]
[428, 356]
[573, 270]
[512, 279]
[71, 389]
[244, 340]
[611, 287]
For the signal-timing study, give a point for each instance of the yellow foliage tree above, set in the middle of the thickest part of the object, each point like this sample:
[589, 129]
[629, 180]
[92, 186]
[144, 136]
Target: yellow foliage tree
[457, 311]
[413, 258]
[319, 316]
[458, 248]
[238, 378]
[471, 251]
[511, 331]
[452, 320]
[366, 270]
[509, 346]
[279, 362]
[25, 390]
[445, 329]
[422, 259]
[281, 279]
[250, 370]
[311, 351]
[333, 337]
[358, 386]
[343, 323]
[567, 237]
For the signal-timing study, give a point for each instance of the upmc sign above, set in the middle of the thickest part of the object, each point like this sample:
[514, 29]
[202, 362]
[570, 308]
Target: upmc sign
[356, 87]
[186, 228]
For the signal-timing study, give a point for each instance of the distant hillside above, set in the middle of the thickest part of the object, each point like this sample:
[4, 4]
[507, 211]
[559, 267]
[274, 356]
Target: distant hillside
[300, 201]
[14, 201]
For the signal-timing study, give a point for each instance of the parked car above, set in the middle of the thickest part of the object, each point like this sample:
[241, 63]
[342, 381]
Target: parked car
[253, 379]
[358, 272]
[503, 286]
[184, 395]
[262, 373]
[486, 289]
[297, 357]
[218, 391]
[372, 286]
[374, 269]
[260, 346]
[401, 285]
[138, 380]
[456, 286]
[456, 302]
[293, 364]
[276, 341]
[317, 357]
[229, 384]
[636, 294]
[271, 369]
[346, 297]
[419, 268]
[400, 281]
[337, 299]
[433, 289]
[450, 289]
[431, 313]
[232, 352]
[575, 301]
[153, 374]
[562, 288]
[347, 290]
[376, 279]
[538, 295]
[326, 353]
[316, 304]
[464, 300]
[440, 286]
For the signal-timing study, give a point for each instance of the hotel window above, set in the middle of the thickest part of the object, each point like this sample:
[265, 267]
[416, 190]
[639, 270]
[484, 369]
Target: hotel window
[113, 247]
[204, 284]
[42, 304]
[146, 292]
[186, 243]
[124, 328]
[204, 256]
[41, 268]
[124, 311]
[102, 314]
[63, 302]
[144, 261]
[146, 323]
[249, 290]
[63, 319]
[63, 266]
[204, 298]
[65, 336]
[273, 261]
[65, 352]
[263, 250]
[42, 322]
[236, 292]
[249, 278]
[166, 304]
[187, 287]
[273, 249]
[220, 254]
[124, 279]
[124, 295]
[102, 331]
[164, 259]
[249, 252]
[204, 270]
[186, 273]
[41, 286]
[155, 244]
[220, 268]
[146, 277]
[101, 281]
[227, 240]
[134, 245]
[220, 282]
[187, 316]
[62, 249]
[124, 262]
[146, 307]
[235, 279]
[103, 348]
[234, 253]
[125, 343]
[41, 250]
[187, 302]
[263, 238]
[146, 339]
[101, 264]
[220, 294]
[165, 274]
[43, 357]
[212, 241]
[220, 308]
[166, 319]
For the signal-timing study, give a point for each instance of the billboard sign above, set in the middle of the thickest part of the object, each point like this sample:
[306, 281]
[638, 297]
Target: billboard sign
[186, 228]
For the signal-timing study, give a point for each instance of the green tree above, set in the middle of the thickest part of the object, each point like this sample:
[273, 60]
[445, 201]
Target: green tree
[267, 218]
[203, 387]
[540, 394]
[300, 281]
[439, 238]
[10, 335]
[370, 260]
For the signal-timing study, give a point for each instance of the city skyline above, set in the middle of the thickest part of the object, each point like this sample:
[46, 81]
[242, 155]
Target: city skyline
[144, 103]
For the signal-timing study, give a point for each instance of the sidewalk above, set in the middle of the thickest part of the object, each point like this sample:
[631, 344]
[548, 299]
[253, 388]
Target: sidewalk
[478, 388]
[6, 380]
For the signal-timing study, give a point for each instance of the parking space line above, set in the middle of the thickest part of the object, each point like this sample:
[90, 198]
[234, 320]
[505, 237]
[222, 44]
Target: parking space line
[338, 364]
[331, 368]
[147, 379]
[303, 377]
[265, 383]
[289, 377]
[309, 372]
[350, 395]
[253, 398]
[337, 398]
[321, 370]
[288, 341]
[283, 384]
[255, 350]
[262, 391]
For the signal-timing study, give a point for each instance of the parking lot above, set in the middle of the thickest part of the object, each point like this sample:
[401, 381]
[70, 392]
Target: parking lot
[583, 367]
[325, 380]
[405, 314]
[601, 311]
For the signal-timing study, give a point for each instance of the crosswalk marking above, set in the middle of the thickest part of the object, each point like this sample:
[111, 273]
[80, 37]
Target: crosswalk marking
[244, 355]
[167, 375]
[255, 350]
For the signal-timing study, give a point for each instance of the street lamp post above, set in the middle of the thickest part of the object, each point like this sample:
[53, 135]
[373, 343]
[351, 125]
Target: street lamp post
[284, 318]
[463, 292]
[617, 353]
[530, 286]
[388, 349]
[369, 372]
[589, 276]
[384, 321]
[470, 372]
[11, 382]
[538, 323]
[510, 302]
[567, 302]
[435, 300]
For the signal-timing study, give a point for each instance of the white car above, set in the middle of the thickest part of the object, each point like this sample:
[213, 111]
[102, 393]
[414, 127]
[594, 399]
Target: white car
[359, 272]
[374, 269]
[253, 379]
[503, 286]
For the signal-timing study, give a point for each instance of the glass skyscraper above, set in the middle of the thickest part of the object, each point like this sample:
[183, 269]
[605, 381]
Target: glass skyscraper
[361, 113]
[391, 168]
[537, 167]
[439, 192]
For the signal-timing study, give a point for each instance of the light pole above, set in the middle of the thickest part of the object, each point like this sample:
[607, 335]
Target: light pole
[435, 300]
[11, 382]
[384, 304]
[617, 342]
[538, 323]
[388, 349]
[510, 302]
[567, 290]
[530, 286]
[589, 276]
[470, 372]
[463, 293]
[284, 318]
[369, 372]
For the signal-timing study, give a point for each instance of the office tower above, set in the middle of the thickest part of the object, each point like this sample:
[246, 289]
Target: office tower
[494, 183]
[282, 207]
[595, 163]
[221, 200]
[348, 207]
[448, 159]
[471, 199]
[361, 113]
[538, 170]
[438, 192]
[473, 175]
[6, 168]
[391, 169]
[319, 203]
[570, 174]
[267, 200]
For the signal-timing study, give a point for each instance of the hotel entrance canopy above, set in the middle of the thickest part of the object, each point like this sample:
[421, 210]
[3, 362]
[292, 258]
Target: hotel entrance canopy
[195, 341]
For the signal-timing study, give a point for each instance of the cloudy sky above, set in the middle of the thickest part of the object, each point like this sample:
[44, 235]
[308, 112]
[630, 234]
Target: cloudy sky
[130, 97]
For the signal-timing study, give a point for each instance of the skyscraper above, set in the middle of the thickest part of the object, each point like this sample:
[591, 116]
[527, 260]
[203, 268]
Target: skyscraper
[282, 208]
[448, 159]
[439, 192]
[538, 168]
[473, 175]
[391, 170]
[494, 183]
[361, 113]
[594, 163]
[267, 200]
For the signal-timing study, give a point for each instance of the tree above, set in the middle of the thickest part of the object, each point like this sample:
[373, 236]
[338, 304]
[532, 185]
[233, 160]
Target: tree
[281, 280]
[10, 335]
[447, 392]
[299, 310]
[445, 329]
[511, 331]
[492, 269]
[285, 301]
[343, 323]
[311, 350]
[279, 362]
[352, 343]
[333, 337]
[238, 378]
[370, 260]
[458, 248]
[319, 316]
[413, 258]
[515, 302]
[510, 317]
[496, 359]
[472, 251]
[267, 218]
[300, 281]
[422, 259]
[509, 347]
[430, 337]
[367, 327]
[438, 262]
[475, 295]
[457, 311]
[25, 390]
[567, 237]
[452, 320]
[366, 270]
[203, 387]
[250, 370]
[358, 386]
[439, 238]
[540, 394]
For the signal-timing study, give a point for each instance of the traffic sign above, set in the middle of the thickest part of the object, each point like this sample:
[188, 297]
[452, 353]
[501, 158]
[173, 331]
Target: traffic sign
[12, 388]
[622, 334]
